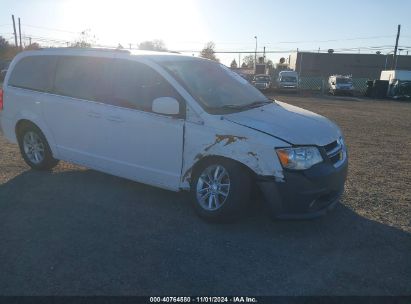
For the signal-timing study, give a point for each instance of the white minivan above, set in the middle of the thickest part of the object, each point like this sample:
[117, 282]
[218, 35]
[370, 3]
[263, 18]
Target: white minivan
[176, 122]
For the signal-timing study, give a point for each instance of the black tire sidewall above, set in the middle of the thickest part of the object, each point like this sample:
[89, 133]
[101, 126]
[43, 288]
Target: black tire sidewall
[48, 162]
[238, 197]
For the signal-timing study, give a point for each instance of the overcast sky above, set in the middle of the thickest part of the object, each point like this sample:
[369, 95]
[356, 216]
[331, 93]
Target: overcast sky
[188, 24]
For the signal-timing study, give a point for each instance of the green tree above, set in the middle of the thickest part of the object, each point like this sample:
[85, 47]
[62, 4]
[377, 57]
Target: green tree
[208, 51]
[153, 45]
[233, 64]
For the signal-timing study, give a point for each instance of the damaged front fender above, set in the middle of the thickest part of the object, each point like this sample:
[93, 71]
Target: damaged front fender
[249, 147]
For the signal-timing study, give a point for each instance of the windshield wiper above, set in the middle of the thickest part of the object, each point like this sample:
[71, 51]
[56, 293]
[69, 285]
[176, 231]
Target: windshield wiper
[254, 104]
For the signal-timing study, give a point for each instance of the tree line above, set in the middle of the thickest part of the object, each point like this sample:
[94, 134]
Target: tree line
[86, 39]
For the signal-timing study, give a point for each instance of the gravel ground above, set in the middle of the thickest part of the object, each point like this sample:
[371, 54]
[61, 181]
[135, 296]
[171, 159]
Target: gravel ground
[79, 232]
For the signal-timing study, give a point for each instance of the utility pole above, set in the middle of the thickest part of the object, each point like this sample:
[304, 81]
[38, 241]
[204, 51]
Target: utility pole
[394, 62]
[264, 55]
[129, 45]
[29, 40]
[239, 60]
[21, 46]
[255, 54]
[14, 28]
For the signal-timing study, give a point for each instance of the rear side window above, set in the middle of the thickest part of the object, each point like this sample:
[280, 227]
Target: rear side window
[34, 73]
[136, 85]
[79, 77]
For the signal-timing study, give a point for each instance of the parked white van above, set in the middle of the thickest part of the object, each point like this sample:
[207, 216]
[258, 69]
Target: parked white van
[288, 81]
[339, 84]
[176, 122]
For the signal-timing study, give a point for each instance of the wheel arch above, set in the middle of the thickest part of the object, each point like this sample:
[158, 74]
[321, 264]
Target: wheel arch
[214, 158]
[28, 122]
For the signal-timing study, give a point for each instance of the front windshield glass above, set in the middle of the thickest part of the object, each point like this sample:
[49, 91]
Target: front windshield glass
[288, 79]
[344, 81]
[214, 86]
[262, 78]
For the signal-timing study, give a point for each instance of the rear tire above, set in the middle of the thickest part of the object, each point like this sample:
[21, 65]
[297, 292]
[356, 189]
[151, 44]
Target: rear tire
[34, 148]
[220, 190]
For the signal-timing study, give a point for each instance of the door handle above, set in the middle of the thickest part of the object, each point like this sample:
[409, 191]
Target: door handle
[115, 118]
[94, 114]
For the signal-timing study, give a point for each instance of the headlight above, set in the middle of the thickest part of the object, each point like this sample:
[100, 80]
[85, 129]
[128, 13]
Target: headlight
[299, 158]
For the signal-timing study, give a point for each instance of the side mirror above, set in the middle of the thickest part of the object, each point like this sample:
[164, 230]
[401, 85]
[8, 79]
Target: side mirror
[166, 105]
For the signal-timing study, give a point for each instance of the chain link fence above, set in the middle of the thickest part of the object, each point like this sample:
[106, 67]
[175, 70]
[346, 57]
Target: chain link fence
[320, 85]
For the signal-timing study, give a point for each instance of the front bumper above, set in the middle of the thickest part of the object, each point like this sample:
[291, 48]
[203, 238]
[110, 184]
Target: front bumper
[262, 86]
[287, 87]
[305, 194]
[343, 91]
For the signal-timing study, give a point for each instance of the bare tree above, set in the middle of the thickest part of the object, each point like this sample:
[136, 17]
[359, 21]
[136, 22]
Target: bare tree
[209, 51]
[4, 44]
[153, 45]
[33, 46]
[7, 51]
[249, 61]
[86, 40]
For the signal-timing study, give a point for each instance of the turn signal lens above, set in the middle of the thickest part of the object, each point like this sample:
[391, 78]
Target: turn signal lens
[283, 156]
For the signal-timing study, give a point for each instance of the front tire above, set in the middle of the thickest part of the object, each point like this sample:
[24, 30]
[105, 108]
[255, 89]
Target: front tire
[220, 190]
[35, 149]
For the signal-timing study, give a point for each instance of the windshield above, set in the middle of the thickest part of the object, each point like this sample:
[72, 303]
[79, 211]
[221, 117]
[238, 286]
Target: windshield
[344, 81]
[214, 86]
[288, 79]
[262, 78]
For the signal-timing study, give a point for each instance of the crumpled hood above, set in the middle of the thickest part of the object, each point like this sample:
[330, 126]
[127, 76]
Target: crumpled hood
[292, 124]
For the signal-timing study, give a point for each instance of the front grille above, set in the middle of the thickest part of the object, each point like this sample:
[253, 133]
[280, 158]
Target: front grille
[331, 146]
[335, 153]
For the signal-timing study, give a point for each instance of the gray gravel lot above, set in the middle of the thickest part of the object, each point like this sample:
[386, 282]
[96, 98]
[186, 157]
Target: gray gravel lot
[79, 232]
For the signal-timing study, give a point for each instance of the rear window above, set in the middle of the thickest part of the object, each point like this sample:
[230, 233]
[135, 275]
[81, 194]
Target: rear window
[34, 73]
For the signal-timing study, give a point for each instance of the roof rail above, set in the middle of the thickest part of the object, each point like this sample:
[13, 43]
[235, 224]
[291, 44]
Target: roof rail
[103, 49]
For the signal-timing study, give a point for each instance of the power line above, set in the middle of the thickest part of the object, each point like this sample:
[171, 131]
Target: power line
[51, 29]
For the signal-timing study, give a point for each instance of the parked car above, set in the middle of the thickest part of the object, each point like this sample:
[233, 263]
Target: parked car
[262, 82]
[287, 81]
[175, 122]
[342, 85]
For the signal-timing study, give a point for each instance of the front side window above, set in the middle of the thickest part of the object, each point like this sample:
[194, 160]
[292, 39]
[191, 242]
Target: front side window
[214, 86]
[136, 85]
[344, 81]
[34, 73]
